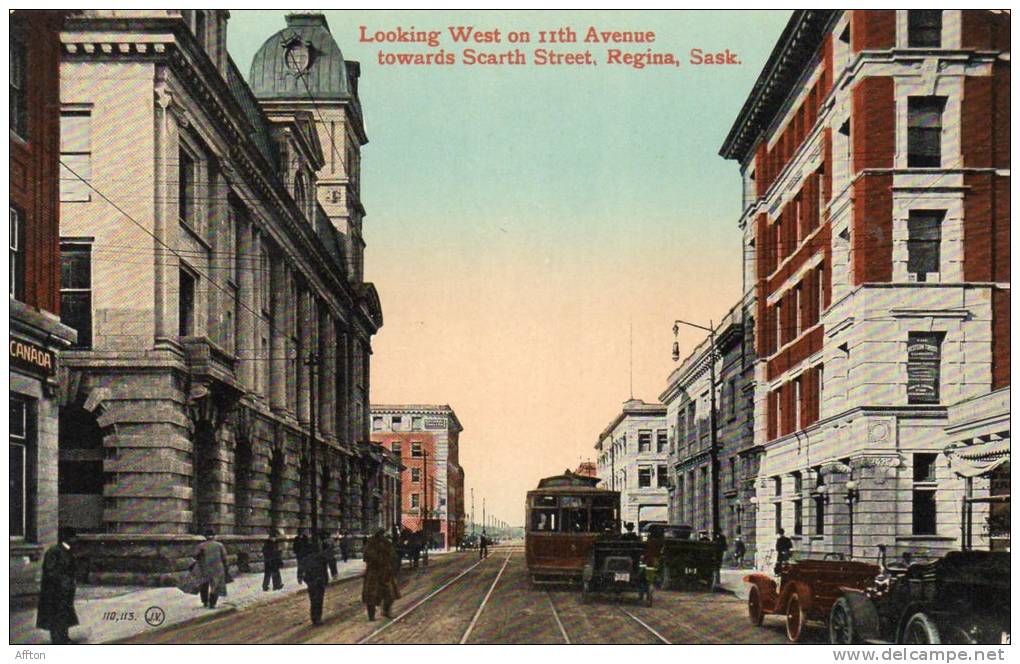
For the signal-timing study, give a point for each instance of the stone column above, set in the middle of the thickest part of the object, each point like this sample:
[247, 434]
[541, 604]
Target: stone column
[245, 337]
[278, 334]
[307, 336]
[325, 353]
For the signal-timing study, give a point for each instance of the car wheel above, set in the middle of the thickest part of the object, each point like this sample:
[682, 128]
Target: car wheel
[921, 630]
[841, 624]
[794, 618]
[754, 608]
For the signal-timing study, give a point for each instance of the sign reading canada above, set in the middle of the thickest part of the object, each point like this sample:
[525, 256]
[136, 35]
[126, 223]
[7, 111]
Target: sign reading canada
[30, 357]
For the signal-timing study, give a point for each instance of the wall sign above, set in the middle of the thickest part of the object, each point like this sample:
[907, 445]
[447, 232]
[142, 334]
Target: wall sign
[435, 424]
[924, 354]
[32, 358]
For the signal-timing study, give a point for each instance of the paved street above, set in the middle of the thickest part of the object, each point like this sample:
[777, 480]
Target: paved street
[461, 600]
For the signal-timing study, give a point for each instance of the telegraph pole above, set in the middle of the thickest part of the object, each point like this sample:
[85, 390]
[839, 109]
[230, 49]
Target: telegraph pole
[472, 510]
[313, 364]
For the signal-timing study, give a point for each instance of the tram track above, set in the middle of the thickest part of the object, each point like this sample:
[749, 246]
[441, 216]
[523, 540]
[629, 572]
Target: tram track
[375, 634]
[646, 628]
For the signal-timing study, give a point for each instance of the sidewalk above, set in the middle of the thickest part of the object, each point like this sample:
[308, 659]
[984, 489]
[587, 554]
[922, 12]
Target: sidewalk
[732, 580]
[129, 605]
[109, 613]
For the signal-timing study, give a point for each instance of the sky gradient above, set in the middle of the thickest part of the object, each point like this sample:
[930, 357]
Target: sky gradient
[522, 219]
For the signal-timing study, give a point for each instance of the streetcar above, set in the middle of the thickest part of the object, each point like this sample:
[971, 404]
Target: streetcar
[566, 513]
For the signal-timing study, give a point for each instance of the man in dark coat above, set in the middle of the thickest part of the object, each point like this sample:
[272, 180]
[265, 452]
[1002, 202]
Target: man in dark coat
[56, 594]
[784, 549]
[212, 569]
[273, 560]
[483, 546]
[316, 576]
[301, 545]
[739, 551]
[329, 551]
[379, 585]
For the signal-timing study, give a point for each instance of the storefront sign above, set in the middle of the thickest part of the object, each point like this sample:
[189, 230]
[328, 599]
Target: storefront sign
[32, 358]
[435, 424]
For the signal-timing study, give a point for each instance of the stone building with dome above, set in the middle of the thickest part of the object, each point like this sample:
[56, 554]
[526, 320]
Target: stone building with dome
[212, 268]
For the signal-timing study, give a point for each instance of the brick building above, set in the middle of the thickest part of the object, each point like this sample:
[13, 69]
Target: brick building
[874, 150]
[427, 440]
[215, 283]
[36, 335]
[631, 457]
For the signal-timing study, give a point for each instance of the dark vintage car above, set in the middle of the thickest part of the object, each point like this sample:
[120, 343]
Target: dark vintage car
[805, 591]
[961, 598]
[679, 559]
[615, 566]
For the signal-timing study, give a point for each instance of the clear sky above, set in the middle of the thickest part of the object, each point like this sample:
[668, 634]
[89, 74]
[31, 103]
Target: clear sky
[522, 219]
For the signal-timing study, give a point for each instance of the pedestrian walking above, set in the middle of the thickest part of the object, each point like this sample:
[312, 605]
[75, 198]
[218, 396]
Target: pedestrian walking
[345, 545]
[483, 546]
[739, 551]
[329, 552]
[784, 549]
[55, 611]
[316, 575]
[379, 586]
[301, 548]
[272, 559]
[211, 569]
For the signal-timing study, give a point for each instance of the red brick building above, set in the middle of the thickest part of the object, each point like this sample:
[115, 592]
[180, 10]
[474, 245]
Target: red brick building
[36, 335]
[874, 149]
[427, 440]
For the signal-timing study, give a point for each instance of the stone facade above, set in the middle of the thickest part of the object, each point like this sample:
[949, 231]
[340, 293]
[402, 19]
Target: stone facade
[631, 457]
[226, 329]
[427, 440]
[871, 156]
[36, 336]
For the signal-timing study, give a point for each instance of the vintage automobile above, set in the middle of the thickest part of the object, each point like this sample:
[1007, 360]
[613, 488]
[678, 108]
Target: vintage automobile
[806, 590]
[960, 598]
[678, 559]
[615, 566]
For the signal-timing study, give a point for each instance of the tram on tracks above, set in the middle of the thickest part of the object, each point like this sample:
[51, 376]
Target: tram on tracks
[566, 513]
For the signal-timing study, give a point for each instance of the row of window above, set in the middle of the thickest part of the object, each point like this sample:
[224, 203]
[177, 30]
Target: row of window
[397, 423]
[416, 449]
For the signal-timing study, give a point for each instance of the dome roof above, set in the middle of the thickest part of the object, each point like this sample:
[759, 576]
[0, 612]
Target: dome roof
[304, 49]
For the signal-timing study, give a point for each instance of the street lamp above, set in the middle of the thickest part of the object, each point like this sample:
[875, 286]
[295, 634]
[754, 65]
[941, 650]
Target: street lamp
[713, 449]
[853, 495]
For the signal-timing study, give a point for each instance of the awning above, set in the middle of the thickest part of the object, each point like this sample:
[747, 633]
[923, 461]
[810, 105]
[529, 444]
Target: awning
[979, 459]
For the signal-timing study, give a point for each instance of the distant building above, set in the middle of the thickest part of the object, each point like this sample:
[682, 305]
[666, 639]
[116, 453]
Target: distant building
[874, 151]
[633, 459]
[587, 468]
[427, 440]
[36, 335]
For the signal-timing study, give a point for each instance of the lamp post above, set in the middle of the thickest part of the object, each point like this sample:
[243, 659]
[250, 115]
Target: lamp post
[713, 449]
[853, 495]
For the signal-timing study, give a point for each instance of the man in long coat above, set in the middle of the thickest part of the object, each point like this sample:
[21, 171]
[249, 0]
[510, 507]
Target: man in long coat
[316, 576]
[56, 594]
[211, 569]
[273, 561]
[379, 585]
[301, 549]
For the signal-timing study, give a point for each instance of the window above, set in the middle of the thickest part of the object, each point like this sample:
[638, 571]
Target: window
[924, 357]
[76, 291]
[819, 515]
[661, 441]
[644, 477]
[777, 485]
[377, 423]
[416, 475]
[798, 301]
[731, 397]
[19, 483]
[924, 237]
[820, 386]
[644, 441]
[690, 419]
[778, 312]
[820, 285]
[186, 188]
[733, 472]
[396, 422]
[395, 447]
[17, 253]
[416, 423]
[778, 515]
[796, 403]
[798, 516]
[186, 304]
[75, 156]
[18, 88]
[414, 500]
[415, 448]
[662, 477]
[798, 482]
[925, 514]
[924, 131]
[924, 28]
